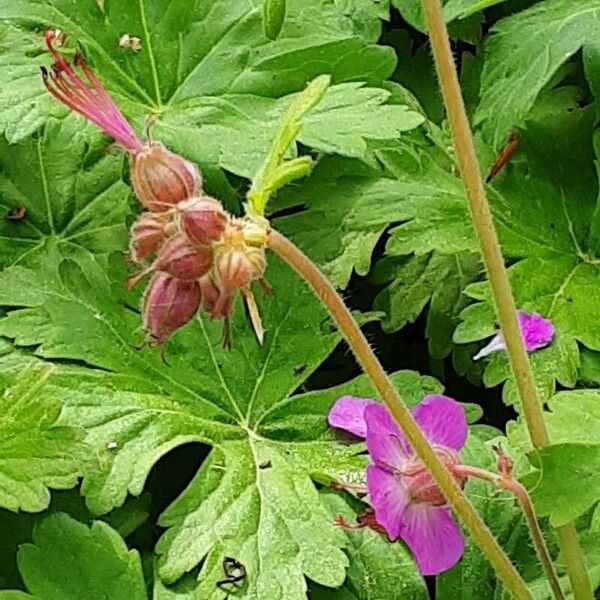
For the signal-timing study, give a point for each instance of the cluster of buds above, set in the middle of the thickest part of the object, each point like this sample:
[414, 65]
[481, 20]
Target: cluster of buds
[198, 256]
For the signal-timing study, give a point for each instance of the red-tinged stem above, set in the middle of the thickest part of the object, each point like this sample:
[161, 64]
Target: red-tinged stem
[494, 263]
[523, 498]
[372, 367]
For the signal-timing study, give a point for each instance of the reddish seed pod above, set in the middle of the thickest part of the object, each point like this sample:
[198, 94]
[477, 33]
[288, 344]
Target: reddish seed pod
[161, 178]
[148, 234]
[169, 304]
[217, 303]
[202, 219]
[233, 270]
[181, 259]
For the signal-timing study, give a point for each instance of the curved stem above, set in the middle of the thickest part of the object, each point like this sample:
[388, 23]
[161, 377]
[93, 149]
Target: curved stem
[523, 498]
[372, 367]
[498, 277]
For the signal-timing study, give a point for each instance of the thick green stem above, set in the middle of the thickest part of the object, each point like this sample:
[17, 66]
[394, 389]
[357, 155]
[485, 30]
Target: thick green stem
[494, 264]
[372, 367]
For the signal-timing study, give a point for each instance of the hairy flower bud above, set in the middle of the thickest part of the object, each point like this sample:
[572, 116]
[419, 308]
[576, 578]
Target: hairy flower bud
[161, 178]
[233, 270]
[148, 234]
[202, 219]
[258, 261]
[169, 303]
[184, 260]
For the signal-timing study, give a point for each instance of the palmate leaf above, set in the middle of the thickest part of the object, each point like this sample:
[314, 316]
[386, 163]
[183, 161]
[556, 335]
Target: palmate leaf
[523, 52]
[71, 192]
[68, 561]
[135, 408]
[214, 84]
[253, 497]
[36, 453]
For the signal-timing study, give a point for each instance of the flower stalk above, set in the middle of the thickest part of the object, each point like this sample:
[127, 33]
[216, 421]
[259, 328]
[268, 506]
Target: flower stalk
[359, 345]
[506, 481]
[496, 270]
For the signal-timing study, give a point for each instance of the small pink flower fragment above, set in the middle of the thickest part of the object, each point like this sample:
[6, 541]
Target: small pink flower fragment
[406, 500]
[348, 413]
[537, 333]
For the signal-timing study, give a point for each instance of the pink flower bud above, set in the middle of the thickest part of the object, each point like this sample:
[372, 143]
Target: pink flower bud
[161, 178]
[148, 234]
[169, 303]
[233, 270]
[181, 259]
[203, 219]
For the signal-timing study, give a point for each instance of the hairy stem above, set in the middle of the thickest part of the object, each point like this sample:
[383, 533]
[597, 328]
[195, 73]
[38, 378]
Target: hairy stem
[494, 264]
[372, 367]
[523, 498]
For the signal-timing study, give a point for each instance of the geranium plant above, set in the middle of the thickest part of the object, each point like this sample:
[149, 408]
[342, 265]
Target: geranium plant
[220, 218]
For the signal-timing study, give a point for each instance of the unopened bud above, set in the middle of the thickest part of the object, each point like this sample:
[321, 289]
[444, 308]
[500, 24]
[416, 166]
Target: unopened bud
[148, 234]
[258, 261]
[184, 260]
[203, 219]
[161, 178]
[233, 270]
[169, 304]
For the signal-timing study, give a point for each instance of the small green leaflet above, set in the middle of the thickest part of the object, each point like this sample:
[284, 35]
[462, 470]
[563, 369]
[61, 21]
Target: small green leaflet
[215, 85]
[573, 456]
[69, 561]
[523, 53]
[36, 453]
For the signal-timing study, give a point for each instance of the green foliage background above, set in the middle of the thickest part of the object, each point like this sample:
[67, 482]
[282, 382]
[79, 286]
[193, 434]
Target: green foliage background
[126, 476]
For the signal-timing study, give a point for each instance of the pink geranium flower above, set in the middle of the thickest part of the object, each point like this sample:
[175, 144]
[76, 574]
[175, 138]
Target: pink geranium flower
[537, 333]
[406, 500]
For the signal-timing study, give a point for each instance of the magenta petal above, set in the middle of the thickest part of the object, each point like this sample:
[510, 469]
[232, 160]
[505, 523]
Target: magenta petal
[385, 442]
[388, 499]
[433, 537]
[443, 421]
[537, 332]
[348, 413]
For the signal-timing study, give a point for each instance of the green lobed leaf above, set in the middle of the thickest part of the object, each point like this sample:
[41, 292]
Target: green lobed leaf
[378, 570]
[523, 52]
[543, 210]
[572, 457]
[210, 78]
[71, 191]
[97, 556]
[135, 408]
[36, 452]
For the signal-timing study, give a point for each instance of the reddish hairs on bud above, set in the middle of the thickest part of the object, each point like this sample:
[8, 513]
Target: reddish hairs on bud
[202, 219]
[148, 234]
[161, 178]
[181, 259]
[169, 303]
